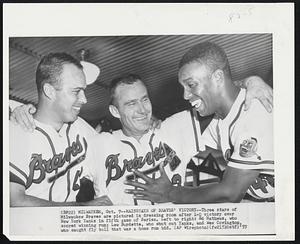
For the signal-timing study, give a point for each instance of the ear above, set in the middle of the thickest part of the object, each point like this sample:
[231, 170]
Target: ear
[218, 77]
[114, 111]
[49, 91]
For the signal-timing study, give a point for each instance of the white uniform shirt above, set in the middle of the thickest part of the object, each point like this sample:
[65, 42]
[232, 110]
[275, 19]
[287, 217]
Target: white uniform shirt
[114, 156]
[38, 156]
[246, 139]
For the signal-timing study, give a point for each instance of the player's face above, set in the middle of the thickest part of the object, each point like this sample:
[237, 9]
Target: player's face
[198, 88]
[134, 107]
[70, 95]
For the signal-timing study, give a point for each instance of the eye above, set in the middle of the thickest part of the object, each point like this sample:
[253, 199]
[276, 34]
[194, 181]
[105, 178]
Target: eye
[145, 99]
[131, 103]
[191, 85]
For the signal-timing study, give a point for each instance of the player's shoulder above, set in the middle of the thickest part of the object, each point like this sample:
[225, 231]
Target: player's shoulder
[103, 139]
[180, 115]
[257, 112]
[82, 123]
[83, 127]
[17, 130]
[180, 118]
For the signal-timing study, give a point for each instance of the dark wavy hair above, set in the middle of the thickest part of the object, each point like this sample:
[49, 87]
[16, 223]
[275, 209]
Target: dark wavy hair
[50, 68]
[209, 54]
[123, 79]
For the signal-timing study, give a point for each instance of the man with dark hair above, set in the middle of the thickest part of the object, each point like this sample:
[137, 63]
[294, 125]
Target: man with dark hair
[111, 158]
[245, 137]
[46, 165]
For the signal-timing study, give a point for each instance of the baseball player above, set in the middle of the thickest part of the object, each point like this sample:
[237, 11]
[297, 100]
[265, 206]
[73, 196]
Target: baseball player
[245, 137]
[111, 158]
[46, 165]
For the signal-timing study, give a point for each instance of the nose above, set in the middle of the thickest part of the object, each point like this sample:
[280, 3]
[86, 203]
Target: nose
[141, 108]
[82, 97]
[186, 94]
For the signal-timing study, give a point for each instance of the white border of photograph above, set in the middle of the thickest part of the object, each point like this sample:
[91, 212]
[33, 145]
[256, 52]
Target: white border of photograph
[169, 19]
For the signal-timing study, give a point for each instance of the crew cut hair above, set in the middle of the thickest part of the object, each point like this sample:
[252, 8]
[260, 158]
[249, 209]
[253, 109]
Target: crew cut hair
[209, 54]
[50, 68]
[123, 79]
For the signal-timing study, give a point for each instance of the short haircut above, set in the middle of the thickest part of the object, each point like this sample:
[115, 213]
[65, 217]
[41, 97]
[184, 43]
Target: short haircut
[50, 68]
[209, 54]
[123, 79]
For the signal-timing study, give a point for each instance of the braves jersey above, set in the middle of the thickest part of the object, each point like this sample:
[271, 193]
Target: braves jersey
[246, 140]
[113, 157]
[48, 163]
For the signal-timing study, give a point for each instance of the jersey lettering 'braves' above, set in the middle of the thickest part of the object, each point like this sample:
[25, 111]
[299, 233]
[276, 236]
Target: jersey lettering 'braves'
[112, 157]
[48, 163]
[246, 139]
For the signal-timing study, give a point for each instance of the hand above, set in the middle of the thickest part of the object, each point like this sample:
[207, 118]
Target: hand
[154, 190]
[22, 115]
[155, 123]
[257, 88]
[100, 201]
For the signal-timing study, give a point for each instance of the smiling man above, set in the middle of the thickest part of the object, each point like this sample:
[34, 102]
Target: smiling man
[130, 103]
[245, 137]
[46, 164]
[111, 158]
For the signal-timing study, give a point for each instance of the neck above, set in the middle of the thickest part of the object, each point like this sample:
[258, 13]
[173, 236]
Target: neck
[131, 134]
[47, 115]
[229, 95]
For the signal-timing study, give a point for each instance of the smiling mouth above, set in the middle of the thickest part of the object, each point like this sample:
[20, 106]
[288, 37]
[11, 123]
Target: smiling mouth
[197, 103]
[77, 109]
[141, 118]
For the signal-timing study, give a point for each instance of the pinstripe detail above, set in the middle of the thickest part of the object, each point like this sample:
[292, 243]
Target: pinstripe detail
[251, 162]
[135, 156]
[54, 153]
[132, 146]
[195, 130]
[151, 146]
[19, 171]
[231, 124]
[68, 174]
[14, 178]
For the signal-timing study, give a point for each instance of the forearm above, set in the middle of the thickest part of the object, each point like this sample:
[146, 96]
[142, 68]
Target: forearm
[31, 201]
[211, 193]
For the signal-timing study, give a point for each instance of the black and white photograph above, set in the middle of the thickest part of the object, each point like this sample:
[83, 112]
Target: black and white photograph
[154, 135]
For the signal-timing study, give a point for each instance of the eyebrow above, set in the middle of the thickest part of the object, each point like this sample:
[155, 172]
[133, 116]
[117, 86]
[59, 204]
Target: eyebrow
[130, 101]
[78, 88]
[187, 79]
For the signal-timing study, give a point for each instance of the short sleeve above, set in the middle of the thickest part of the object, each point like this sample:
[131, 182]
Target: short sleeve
[253, 141]
[19, 156]
[85, 128]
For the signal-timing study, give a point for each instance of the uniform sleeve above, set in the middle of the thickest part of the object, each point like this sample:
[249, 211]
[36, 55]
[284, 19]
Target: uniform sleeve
[181, 129]
[18, 157]
[253, 141]
[86, 128]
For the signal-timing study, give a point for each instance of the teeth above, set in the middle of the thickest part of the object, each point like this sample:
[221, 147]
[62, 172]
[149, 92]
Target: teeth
[197, 103]
[76, 108]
